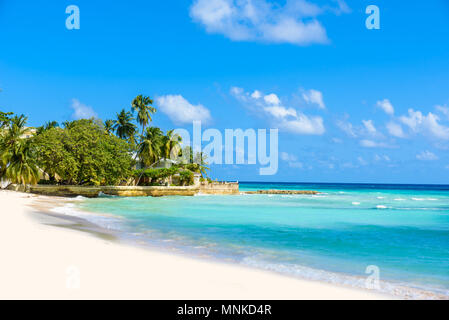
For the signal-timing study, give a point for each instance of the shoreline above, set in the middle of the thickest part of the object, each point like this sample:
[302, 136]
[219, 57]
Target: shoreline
[388, 290]
[40, 258]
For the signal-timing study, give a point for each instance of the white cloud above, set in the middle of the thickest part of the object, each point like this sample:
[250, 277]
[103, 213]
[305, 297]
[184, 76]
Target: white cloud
[337, 140]
[292, 160]
[179, 110]
[369, 126]
[348, 165]
[367, 129]
[288, 157]
[256, 94]
[362, 161]
[285, 118]
[304, 125]
[374, 144]
[281, 112]
[382, 158]
[395, 130]
[429, 124]
[443, 110]
[386, 106]
[239, 91]
[265, 21]
[297, 165]
[315, 97]
[271, 99]
[82, 111]
[342, 7]
[347, 127]
[426, 156]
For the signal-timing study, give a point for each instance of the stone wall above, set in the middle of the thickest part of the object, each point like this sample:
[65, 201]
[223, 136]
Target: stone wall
[129, 191]
[219, 188]
[93, 192]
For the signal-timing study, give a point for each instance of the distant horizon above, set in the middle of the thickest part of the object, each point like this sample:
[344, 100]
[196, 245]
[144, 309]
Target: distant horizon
[347, 183]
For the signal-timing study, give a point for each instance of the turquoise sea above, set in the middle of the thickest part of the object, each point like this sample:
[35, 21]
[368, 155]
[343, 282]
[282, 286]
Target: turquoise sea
[401, 230]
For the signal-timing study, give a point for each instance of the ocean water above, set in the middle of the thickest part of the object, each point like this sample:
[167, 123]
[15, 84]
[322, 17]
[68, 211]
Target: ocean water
[339, 236]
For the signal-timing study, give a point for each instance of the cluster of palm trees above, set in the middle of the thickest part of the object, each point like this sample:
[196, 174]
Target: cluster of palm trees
[18, 163]
[151, 144]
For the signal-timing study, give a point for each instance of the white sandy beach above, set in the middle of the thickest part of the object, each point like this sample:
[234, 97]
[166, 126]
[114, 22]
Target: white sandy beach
[41, 261]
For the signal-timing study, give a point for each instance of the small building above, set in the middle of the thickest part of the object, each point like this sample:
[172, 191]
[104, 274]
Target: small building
[164, 163]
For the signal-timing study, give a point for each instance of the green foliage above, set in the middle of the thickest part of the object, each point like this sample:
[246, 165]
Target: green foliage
[4, 118]
[55, 156]
[17, 156]
[149, 148]
[186, 177]
[155, 175]
[82, 154]
[144, 108]
[171, 145]
[124, 126]
[86, 152]
[109, 126]
[195, 163]
[49, 125]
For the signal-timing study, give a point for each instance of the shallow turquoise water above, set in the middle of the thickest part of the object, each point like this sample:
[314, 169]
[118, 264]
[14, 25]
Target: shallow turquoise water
[403, 230]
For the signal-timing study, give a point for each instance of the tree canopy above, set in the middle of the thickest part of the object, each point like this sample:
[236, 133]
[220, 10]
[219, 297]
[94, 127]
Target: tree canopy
[90, 152]
[82, 154]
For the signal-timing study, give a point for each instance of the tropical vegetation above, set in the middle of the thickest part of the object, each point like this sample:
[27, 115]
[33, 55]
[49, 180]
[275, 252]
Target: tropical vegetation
[92, 152]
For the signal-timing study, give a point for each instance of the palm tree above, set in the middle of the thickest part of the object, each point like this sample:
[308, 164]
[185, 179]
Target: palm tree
[144, 110]
[124, 127]
[15, 131]
[4, 118]
[17, 162]
[171, 145]
[149, 149]
[200, 161]
[68, 124]
[49, 125]
[22, 167]
[109, 126]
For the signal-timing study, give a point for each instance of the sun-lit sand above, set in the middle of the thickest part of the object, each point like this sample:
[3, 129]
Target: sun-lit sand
[41, 261]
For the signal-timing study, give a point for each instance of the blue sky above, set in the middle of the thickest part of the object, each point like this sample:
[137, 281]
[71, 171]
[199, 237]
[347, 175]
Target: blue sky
[351, 104]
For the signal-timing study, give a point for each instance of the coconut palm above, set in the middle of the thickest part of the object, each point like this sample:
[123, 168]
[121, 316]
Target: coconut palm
[149, 148]
[186, 155]
[109, 126]
[49, 125]
[171, 145]
[200, 161]
[124, 127]
[22, 167]
[15, 131]
[68, 124]
[144, 108]
[17, 162]
[4, 118]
